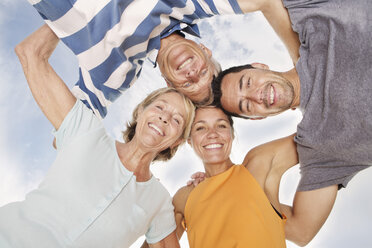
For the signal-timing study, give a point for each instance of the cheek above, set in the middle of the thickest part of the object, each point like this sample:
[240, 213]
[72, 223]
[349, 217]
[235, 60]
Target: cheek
[195, 145]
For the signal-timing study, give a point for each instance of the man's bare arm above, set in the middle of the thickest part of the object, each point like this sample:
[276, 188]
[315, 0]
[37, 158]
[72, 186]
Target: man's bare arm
[309, 212]
[277, 15]
[268, 162]
[50, 92]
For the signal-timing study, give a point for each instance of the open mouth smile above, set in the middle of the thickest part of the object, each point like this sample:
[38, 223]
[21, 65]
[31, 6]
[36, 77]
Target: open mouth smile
[156, 129]
[185, 63]
[272, 95]
[213, 146]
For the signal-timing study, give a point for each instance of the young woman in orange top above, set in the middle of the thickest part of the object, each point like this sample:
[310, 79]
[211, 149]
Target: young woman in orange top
[236, 205]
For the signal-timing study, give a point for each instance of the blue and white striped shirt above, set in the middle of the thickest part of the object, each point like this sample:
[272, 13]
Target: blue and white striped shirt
[111, 38]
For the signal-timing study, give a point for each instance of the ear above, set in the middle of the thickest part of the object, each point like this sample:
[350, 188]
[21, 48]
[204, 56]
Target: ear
[257, 118]
[140, 110]
[206, 50]
[189, 141]
[260, 66]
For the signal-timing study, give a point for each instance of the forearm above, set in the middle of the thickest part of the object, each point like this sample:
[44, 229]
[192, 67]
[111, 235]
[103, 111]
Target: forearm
[309, 212]
[277, 15]
[49, 91]
[145, 245]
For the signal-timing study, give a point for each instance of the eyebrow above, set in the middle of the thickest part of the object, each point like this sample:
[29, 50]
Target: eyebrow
[240, 88]
[203, 121]
[241, 82]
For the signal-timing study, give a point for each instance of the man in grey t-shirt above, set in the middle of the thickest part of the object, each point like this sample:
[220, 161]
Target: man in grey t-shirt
[331, 85]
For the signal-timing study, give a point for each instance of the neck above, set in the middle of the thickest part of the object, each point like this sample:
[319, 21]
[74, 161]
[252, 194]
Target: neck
[135, 159]
[214, 169]
[293, 78]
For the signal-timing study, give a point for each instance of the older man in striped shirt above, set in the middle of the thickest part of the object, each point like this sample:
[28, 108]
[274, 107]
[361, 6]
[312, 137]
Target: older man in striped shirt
[111, 39]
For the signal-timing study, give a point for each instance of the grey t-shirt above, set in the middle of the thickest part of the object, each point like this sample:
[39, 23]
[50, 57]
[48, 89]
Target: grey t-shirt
[334, 139]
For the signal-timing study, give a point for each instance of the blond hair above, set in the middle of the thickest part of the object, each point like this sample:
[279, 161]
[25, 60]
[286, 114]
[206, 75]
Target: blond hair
[168, 153]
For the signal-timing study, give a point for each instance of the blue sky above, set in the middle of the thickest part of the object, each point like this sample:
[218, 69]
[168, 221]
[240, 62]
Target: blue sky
[25, 134]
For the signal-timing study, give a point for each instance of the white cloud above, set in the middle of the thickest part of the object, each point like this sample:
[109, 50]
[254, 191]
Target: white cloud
[249, 39]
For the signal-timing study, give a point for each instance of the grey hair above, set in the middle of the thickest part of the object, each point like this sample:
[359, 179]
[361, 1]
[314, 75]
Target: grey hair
[217, 66]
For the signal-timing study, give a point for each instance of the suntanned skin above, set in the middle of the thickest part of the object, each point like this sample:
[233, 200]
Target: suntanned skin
[277, 15]
[309, 211]
[195, 75]
[267, 163]
[56, 100]
[310, 208]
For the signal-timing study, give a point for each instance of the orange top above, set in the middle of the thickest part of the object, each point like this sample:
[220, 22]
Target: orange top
[231, 210]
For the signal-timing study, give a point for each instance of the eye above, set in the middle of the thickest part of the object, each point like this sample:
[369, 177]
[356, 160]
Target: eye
[176, 120]
[222, 126]
[199, 128]
[249, 82]
[186, 85]
[159, 107]
[247, 106]
[204, 72]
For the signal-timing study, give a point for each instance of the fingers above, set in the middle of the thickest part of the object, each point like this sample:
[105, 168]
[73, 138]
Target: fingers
[196, 178]
[198, 175]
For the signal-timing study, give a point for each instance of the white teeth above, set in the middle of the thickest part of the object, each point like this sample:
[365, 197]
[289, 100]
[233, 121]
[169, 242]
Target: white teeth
[157, 129]
[271, 95]
[212, 146]
[187, 61]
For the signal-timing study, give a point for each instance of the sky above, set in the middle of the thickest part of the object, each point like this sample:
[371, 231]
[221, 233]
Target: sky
[26, 141]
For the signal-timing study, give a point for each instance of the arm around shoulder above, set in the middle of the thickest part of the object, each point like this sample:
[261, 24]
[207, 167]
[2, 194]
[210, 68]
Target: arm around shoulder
[309, 212]
[268, 162]
[276, 156]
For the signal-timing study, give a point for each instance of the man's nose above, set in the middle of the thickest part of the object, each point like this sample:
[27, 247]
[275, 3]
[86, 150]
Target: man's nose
[193, 75]
[254, 95]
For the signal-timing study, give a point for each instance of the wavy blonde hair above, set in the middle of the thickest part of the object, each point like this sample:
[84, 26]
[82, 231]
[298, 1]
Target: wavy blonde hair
[168, 153]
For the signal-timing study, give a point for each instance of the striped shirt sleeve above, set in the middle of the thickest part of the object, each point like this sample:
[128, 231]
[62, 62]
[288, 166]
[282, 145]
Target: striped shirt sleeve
[111, 38]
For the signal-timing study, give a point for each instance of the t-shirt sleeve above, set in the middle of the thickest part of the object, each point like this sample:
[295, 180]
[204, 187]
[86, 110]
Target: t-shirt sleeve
[218, 7]
[163, 224]
[79, 121]
[83, 26]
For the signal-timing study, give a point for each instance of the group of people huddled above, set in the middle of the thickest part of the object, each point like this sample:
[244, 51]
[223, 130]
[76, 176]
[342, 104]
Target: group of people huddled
[100, 192]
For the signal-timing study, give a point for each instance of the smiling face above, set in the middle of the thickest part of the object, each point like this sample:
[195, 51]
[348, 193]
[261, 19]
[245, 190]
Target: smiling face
[187, 67]
[211, 135]
[256, 93]
[161, 124]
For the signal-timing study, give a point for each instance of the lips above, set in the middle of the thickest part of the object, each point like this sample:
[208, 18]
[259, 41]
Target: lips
[156, 129]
